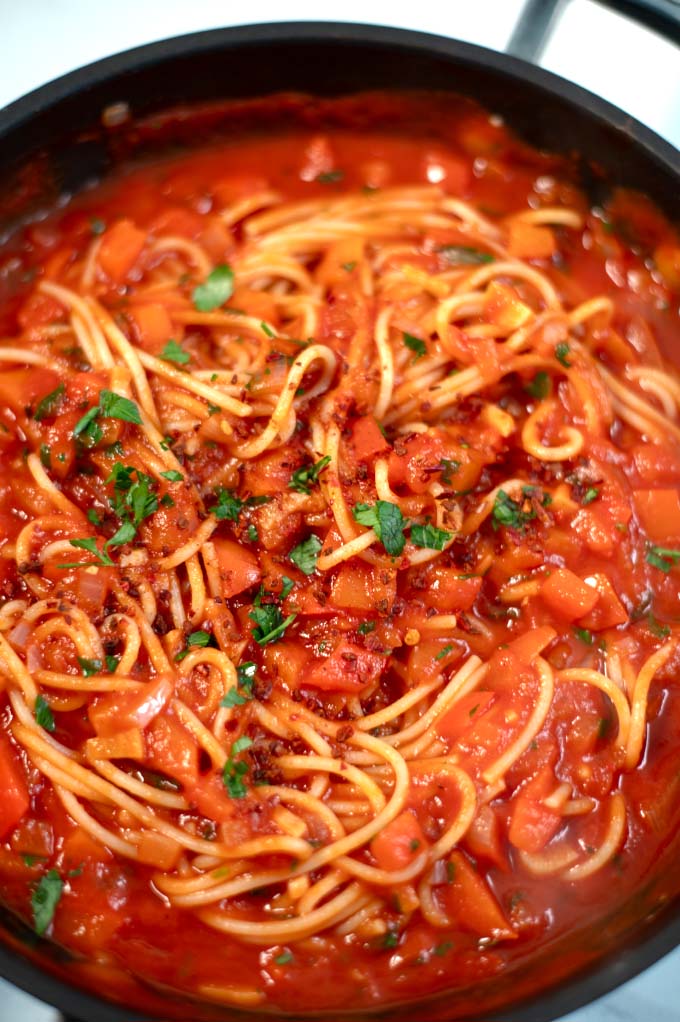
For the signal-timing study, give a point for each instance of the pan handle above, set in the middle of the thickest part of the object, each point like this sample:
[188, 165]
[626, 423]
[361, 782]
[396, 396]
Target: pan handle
[538, 18]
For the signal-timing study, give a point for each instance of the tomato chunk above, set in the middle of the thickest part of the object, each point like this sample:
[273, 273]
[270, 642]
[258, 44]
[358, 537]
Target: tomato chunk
[171, 750]
[398, 844]
[659, 513]
[15, 800]
[348, 669]
[470, 903]
[533, 823]
[239, 569]
[121, 712]
[568, 595]
[120, 249]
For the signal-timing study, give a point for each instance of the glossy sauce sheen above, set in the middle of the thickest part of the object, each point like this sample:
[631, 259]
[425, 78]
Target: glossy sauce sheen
[110, 909]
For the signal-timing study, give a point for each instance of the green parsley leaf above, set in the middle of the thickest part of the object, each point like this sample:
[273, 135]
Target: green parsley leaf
[448, 468]
[303, 478]
[243, 692]
[270, 623]
[509, 513]
[229, 506]
[589, 496]
[111, 663]
[415, 345]
[443, 652]
[656, 628]
[89, 667]
[584, 635]
[266, 329]
[286, 587]
[442, 949]
[429, 536]
[49, 404]
[305, 554]
[365, 627]
[45, 899]
[465, 255]
[173, 476]
[196, 640]
[561, 352]
[174, 352]
[285, 958]
[663, 558]
[539, 387]
[387, 521]
[216, 289]
[329, 177]
[390, 939]
[90, 545]
[46, 456]
[43, 714]
[348, 267]
[93, 517]
[97, 225]
[252, 533]
[235, 770]
[111, 406]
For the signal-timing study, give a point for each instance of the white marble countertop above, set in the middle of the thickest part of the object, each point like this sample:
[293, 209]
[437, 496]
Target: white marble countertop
[628, 65]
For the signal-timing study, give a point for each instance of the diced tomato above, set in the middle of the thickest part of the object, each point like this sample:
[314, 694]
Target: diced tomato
[40, 309]
[121, 247]
[530, 241]
[659, 513]
[15, 802]
[24, 388]
[349, 668]
[80, 847]
[398, 844]
[210, 798]
[339, 260]
[608, 612]
[483, 838]
[171, 750]
[270, 473]
[33, 837]
[258, 304]
[153, 324]
[530, 644]
[358, 586]
[568, 595]
[239, 569]
[367, 440]
[532, 823]
[110, 714]
[656, 464]
[470, 903]
[443, 588]
[464, 713]
[287, 661]
[178, 221]
[504, 306]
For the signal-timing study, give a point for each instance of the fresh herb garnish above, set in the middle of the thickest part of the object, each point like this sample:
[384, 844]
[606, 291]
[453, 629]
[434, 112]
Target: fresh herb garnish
[590, 495]
[89, 544]
[415, 345]
[561, 353]
[285, 958]
[270, 622]
[45, 899]
[174, 352]
[661, 557]
[429, 536]
[465, 255]
[386, 520]
[539, 387]
[448, 468]
[329, 177]
[111, 406]
[656, 628]
[46, 456]
[514, 514]
[243, 691]
[584, 635]
[50, 403]
[235, 770]
[97, 225]
[43, 714]
[216, 289]
[195, 640]
[365, 627]
[173, 476]
[305, 554]
[229, 507]
[89, 667]
[443, 652]
[303, 478]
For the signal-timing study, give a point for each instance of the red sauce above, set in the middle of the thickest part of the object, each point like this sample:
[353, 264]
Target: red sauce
[620, 499]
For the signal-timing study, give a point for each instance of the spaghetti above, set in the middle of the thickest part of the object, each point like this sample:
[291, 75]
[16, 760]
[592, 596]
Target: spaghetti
[326, 526]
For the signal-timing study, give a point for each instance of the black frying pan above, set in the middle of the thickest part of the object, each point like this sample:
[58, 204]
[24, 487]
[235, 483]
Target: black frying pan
[53, 141]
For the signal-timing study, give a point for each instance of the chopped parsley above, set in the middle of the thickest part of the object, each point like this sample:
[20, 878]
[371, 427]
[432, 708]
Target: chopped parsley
[444, 652]
[348, 267]
[303, 478]
[390, 939]
[285, 958]
[235, 770]
[448, 468]
[173, 476]
[216, 289]
[656, 628]
[514, 514]
[49, 404]
[415, 345]
[89, 544]
[539, 387]
[584, 635]
[229, 507]
[97, 225]
[270, 622]
[561, 353]
[195, 640]
[89, 667]
[590, 495]
[133, 501]
[43, 714]
[174, 352]
[429, 536]
[365, 627]
[305, 554]
[661, 557]
[243, 691]
[45, 899]
[329, 177]
[46, 456]
[465, 255]
[386, 520]
[252, 533]
[110, 406]
[266, 329]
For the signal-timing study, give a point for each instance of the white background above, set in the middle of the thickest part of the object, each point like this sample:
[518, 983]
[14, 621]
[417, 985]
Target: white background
[630, 66]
